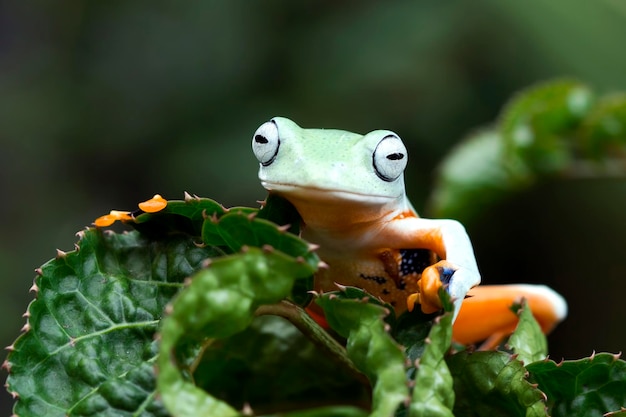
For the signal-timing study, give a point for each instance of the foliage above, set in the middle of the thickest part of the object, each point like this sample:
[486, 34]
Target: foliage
[89, 343]
[587, 386]
[433, 393]
[555, 129]
[528, 343]
[493, 383]
[214, 298]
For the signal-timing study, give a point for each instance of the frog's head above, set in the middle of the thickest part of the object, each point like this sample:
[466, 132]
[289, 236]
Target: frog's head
[326, 167]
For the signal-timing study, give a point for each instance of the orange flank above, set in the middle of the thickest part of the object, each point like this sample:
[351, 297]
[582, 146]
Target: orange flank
[404, 215]
[486, 314]
[155, 204]
[112, 217]
[317, 315]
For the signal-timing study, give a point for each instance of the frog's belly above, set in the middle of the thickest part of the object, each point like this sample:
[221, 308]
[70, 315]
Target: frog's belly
[391, 275]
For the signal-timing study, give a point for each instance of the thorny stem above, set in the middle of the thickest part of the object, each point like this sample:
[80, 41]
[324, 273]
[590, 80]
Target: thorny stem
[320, 338]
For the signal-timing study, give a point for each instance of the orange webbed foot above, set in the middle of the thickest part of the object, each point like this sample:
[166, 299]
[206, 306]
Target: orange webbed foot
[487, 312]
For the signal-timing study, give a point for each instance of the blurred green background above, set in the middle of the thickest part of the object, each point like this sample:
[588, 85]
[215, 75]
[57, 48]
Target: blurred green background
[103, 104]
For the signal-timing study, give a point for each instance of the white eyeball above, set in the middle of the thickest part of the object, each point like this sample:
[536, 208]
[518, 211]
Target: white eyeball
[265, 143]
[390, 158]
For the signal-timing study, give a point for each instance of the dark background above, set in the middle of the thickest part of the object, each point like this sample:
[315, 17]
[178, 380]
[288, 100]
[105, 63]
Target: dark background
[103, 104]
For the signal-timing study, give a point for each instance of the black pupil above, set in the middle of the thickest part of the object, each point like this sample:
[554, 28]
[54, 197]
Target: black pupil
[260, 139]
[395, 156]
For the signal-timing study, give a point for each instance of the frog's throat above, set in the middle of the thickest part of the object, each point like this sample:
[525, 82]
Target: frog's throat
[339, 211]
[320, 195]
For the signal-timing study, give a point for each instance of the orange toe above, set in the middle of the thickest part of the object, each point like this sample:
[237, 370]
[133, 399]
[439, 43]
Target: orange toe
[429, 285]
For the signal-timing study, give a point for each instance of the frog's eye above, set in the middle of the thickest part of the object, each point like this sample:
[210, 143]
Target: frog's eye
[265, 143]
[390, 158]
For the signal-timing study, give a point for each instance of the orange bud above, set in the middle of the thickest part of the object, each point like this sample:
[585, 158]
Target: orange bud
[112, 217]
[104, 221]
[155, 204]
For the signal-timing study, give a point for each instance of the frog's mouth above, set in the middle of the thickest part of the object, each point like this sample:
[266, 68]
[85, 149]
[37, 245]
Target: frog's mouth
[329, 195]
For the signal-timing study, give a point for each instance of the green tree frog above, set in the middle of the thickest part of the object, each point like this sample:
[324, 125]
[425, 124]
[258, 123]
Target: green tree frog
[349, 190]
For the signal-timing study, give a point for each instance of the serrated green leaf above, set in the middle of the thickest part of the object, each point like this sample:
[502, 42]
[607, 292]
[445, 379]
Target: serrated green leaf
[238, 229]
[178, 216]
[219, 302]
[493, 384]
[194, 209]
[585, 387]
[280, 211]
[433, 394]
[370, 347]
[411, 330]
[90, 347]
[271, 366]
[213, 232]
[528, 341]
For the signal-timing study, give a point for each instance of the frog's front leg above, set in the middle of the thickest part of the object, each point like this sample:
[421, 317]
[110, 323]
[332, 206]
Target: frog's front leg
[449, 240]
